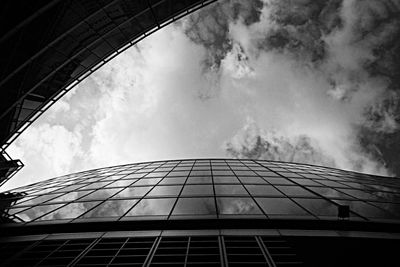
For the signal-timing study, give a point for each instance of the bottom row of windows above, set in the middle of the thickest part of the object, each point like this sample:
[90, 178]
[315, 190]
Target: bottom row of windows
[154, 251]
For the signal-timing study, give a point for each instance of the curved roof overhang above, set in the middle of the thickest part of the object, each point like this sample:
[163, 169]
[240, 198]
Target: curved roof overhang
[48, 47]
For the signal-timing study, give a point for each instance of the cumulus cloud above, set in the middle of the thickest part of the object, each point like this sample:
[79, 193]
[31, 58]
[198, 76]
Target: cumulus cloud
[51, 150]
[252, 142]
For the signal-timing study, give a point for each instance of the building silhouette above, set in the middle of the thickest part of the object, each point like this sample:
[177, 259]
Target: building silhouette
[219, 212]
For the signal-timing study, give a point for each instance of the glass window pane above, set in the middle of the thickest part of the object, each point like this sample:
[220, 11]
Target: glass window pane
[179, 173]
[40, 199]
[199, 180]
[329, 192]
[318, 206]
[186, 206]
[150, 181]
[35, 212]
[122, 183]
[267, 174]
[200, 172]
[360, 194]
[237, 206]
[230, 190]
[152, 207]
[263, 190]
[252, 180]
[172, 190]
[134, 175]
[295, 191]
[277, 180]
[245, 173]
[226, 180]
[71, 196]
[280, 206]
[223, 172]
[95, 185]
[365, 209]
[110, 208]
[132, 192]
[197, 190]
[101, 194]
[156, 174]
[72, 210]
[306, 182]
[173, 180]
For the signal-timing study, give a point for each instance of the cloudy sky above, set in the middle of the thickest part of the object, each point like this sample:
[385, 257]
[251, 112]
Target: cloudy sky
[293, 80]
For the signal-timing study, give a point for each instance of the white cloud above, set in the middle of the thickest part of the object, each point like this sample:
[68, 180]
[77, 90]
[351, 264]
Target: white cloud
[51, 150]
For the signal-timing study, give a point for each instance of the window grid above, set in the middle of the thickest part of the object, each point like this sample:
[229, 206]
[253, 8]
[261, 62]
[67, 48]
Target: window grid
[368, 198]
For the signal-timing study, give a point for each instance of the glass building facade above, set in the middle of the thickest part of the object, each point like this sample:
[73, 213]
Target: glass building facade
[182, 212]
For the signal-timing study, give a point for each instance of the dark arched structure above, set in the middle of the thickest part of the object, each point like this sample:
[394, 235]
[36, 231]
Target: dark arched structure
[48, 47]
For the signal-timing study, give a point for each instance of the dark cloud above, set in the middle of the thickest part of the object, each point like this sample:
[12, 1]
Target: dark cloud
[254, 143]
[315, 33]
[210, 26]
[298, 27]
[378, 27]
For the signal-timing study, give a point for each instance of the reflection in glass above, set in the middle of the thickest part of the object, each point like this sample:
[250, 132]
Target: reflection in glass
[173, 180]
[132, 192]
[329, 192]
[190, 190]
[122, 183]
[149, 181]
[237, 206]
[35, 212]
[95, 185]
[222, 173]
[165, 190]
[70, 211]
[305, 182]
[160, 206]
[263, 190]
[200, 173]
[391, 207]
[280, 206]
[230, 190]
[199, 180]
[203, 206]
[360, 194]
[101, 194]
[365, 209]
[70, 188]
[110, 208]
[226, 180]
[156, 174]
[252, 180]
[178, 173]
[245, 173]
[282, 181]
[39, 199]
[295, 191]
[318, 206]
[71, 196]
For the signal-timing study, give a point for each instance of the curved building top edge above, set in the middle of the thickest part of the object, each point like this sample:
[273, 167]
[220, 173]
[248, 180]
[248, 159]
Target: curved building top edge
[227, 159]
[203, 188]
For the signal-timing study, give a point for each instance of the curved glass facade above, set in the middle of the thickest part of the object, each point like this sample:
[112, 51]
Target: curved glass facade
[206, 189]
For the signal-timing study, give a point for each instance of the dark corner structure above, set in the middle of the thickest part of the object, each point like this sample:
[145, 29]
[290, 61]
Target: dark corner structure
[216, 212]
[49, 46]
